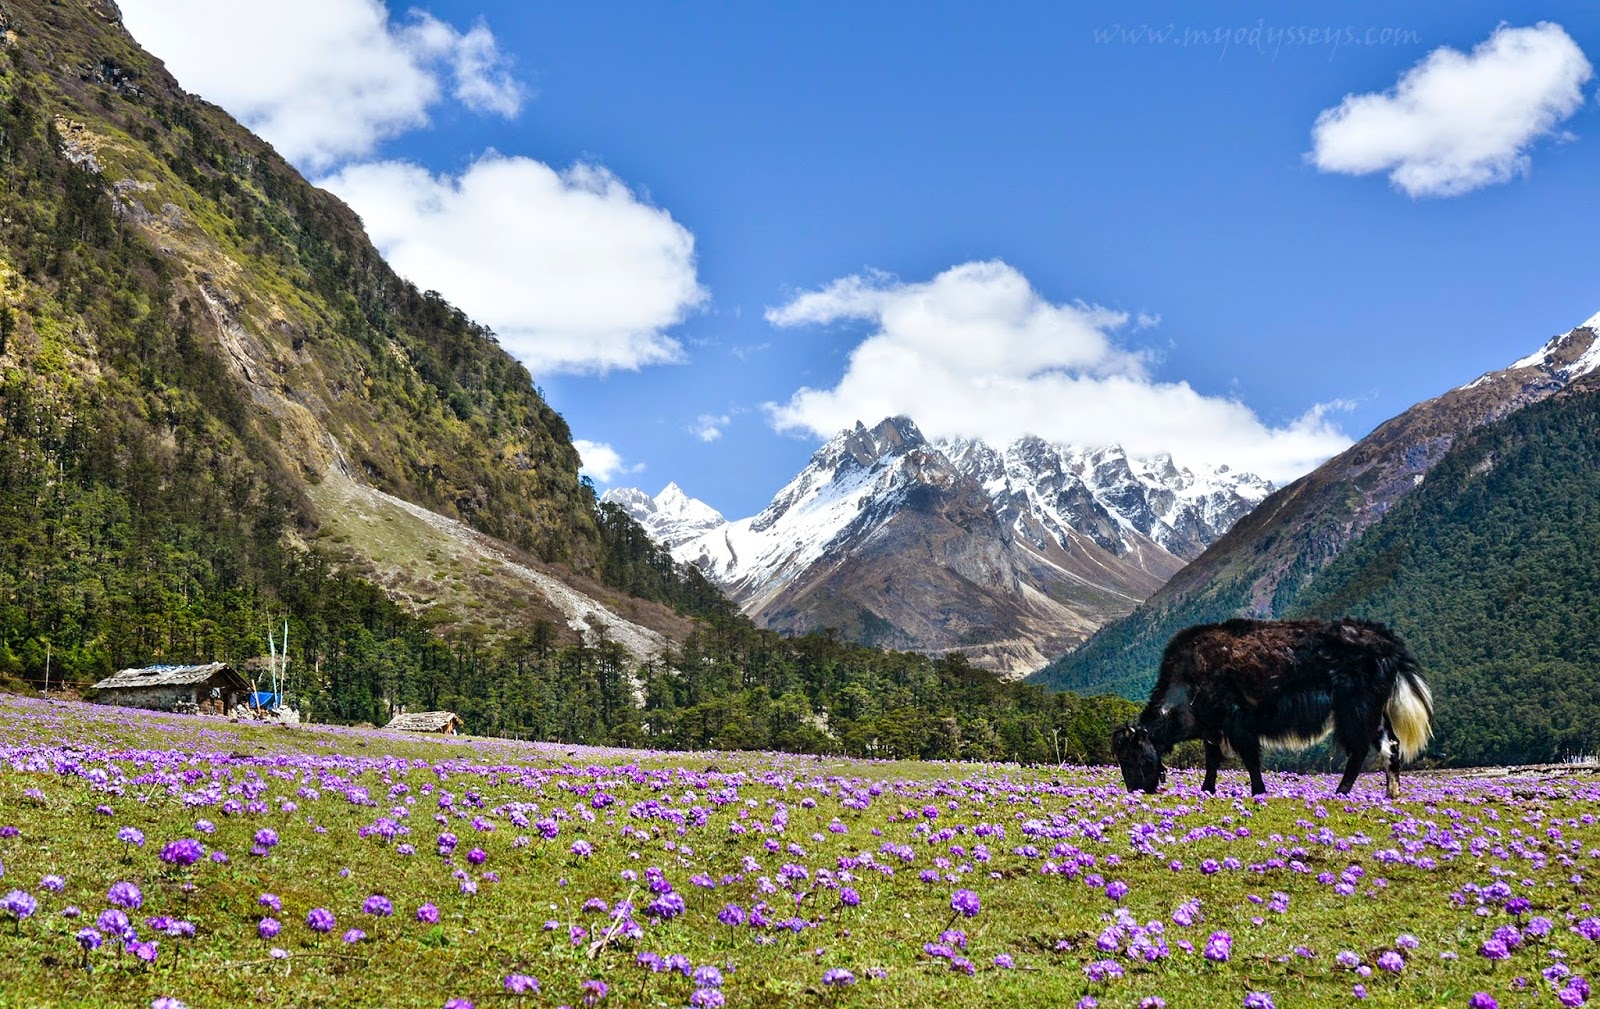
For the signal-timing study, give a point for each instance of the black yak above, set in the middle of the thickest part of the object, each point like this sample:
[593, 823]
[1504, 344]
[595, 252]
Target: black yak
[1245, 684]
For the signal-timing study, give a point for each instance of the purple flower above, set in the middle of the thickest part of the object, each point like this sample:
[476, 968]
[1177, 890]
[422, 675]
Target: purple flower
[53, 883]
[428, 914]
[965, 902]
[732, 915]
[594, 990]
[113, 921]
[1004, 961]
[266, 837]
[1494, 949]
[125, 895]
[707, 998]
[521, 984]
[1116, 889]
[838, 976]
[131, 835]
[167, 1002]
[1391, 961]
[89, 938]
[583, 849]
[1482, 1000]
[19, 904]
[379, 905]
[183, 853]
[849, 897]
[707, 977]
[1259, 1000]
[458, 1003]
[270, 900]
[354, 935]
[1219, 947]
[320, 919]
[268, 928]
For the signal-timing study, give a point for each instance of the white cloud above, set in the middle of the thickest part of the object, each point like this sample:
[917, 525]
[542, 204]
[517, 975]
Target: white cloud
[323, 80]
[1457, 122]
[708, 427]
[976, 352]
[572, 271]
[602, 463]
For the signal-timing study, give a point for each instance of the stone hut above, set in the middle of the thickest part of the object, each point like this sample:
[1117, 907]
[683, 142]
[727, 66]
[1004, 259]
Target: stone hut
[212, 689]
[446, 723]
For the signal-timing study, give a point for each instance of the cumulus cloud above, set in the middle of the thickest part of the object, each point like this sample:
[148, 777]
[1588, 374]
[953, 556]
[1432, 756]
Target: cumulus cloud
[1457, 122]
[600, 462]
[709, 427]
[324, 80]
[573, 271]
[976, 352]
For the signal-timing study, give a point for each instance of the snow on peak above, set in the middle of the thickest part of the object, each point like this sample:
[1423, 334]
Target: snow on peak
[671, 517]
[1557, 357]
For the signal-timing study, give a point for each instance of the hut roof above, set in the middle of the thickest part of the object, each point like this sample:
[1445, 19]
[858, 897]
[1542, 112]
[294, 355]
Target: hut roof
[167, 676]
[423, 721]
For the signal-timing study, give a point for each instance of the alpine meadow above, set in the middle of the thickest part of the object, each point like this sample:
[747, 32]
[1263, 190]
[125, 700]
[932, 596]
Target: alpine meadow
[344, 661]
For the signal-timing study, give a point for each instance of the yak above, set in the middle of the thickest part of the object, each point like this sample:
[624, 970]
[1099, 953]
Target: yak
[1242, 685]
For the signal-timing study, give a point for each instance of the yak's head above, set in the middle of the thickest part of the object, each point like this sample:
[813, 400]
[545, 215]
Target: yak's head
[1141, 764]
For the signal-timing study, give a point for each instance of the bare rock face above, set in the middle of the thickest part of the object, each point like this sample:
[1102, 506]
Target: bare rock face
[1008, 555]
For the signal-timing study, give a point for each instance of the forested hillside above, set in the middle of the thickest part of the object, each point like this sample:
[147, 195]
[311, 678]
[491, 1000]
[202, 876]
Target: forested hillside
[1491, 572]
[192, 338]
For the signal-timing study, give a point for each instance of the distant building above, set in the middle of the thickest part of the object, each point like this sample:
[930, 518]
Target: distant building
[446, 723]
[212, 689]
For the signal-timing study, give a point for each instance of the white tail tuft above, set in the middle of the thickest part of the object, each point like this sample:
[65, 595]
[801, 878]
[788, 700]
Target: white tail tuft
[1410, 712]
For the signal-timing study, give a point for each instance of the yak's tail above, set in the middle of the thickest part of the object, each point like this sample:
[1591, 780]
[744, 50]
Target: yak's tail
[1410, 708]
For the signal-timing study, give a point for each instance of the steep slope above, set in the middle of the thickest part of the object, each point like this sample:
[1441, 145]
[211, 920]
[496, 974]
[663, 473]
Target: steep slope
[193, 343]
[1006, 555]
[1490, 572]
[1266, 560]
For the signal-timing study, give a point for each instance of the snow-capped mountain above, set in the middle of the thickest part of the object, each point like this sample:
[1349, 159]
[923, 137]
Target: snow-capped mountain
[1010, 555]
[671, 517]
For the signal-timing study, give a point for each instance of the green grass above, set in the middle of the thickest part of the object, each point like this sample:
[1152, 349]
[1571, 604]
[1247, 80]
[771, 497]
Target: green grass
[168, 772]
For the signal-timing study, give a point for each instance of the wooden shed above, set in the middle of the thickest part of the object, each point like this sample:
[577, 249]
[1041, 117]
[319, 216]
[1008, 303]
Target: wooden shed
[213, 689]
[446, 723]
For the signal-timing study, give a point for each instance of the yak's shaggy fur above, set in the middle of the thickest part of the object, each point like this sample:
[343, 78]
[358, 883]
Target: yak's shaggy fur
[1245, 684]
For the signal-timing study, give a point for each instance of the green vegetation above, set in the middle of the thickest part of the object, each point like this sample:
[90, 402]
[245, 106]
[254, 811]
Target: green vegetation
[367, 869]
[1489, 571]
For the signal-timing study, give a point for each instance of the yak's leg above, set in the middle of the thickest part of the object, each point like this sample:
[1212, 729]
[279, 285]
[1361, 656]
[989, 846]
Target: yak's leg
[1390, 749]
[1352, 770]
[1213, 761]
[1249, 750]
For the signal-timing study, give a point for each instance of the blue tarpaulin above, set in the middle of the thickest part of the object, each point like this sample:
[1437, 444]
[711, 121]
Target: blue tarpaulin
[264, 699]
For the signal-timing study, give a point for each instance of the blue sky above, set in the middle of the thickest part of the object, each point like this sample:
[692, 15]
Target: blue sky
[717, 231]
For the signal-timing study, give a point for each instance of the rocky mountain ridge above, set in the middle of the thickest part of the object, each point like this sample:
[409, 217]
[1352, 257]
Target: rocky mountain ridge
[1006, 554]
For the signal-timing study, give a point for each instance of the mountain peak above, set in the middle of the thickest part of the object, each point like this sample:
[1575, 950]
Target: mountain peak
[1593, 322]
[671, 517]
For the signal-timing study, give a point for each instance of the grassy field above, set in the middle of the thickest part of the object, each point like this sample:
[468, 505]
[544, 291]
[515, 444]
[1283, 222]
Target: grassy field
[153, 858]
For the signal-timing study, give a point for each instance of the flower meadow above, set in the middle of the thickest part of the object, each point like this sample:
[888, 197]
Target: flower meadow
[169, 861]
